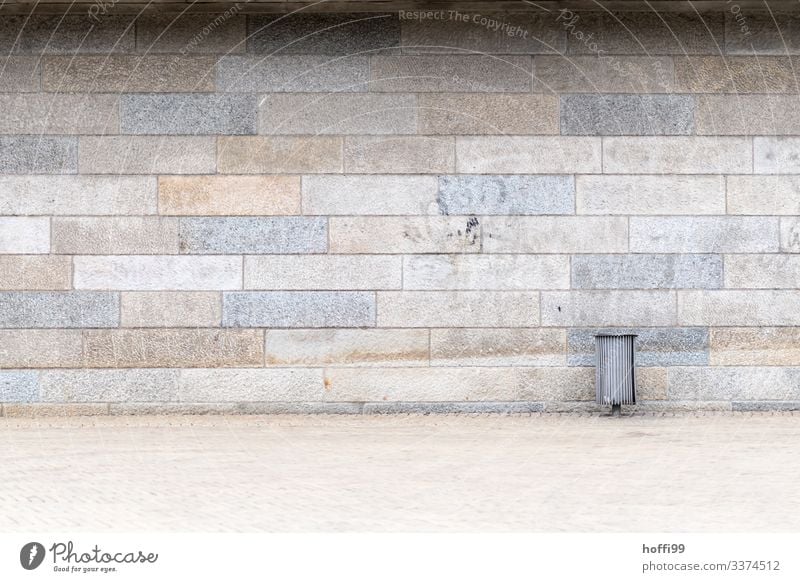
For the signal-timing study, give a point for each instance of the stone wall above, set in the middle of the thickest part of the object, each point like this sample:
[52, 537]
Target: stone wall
[379, 212]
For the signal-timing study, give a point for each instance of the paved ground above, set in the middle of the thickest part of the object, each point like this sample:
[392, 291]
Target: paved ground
[406, 473]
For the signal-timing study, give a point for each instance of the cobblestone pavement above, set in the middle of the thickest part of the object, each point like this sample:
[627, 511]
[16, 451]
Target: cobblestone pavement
[737, 472]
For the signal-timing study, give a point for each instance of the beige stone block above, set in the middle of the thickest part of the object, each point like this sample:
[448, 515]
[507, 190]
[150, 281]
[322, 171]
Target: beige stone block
[765, 346]
[739, 307]
[486, 272]
[603, 74]
[747, 115]
[59, 114]
[677, 155]
[555, 234]
[458, 309]
[322, 272]
[767, 271]
[399, 155]
[363, 195]
[389, 234]
[279, 155]
[146, 154]
[768, 195]
[228, 195]
[143, 235]
[608, 308]
[254, 385]
[528, 155]
[35, 272]
[170, 309]
[40, 348]
[739, 75]
[20, 74]
[488, 114]
[498, 347]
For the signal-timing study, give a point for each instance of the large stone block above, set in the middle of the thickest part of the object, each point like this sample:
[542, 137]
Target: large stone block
[78, 195]
[361, 195]
[650, 194]
[322, 272]
[58, 113]
[764, 346]
[278, 155]
[293, 74]
[58, 34]
[682, 346]
[19, 386]
[674, 271]
[717, 383]
[338, 113]
[228, 195]
[326, 34]
[128, 74]
[473, 73]
[603, 74]
[188, 114]
[488, 114]
[40, 348]
[20, 74]
[768, 195]
[704, 234]
[38, 155]
[173, 348]
[143, 385]
[485, 272]
[790, 235]
[739, 308]
[35, 272]
[627, 114]
[347, 347]
[677, 155]
[140, 154]
[504, 195]
[498, 347]
[24, 235]
[253, 235]
[157, 273]
[191, 33]
[764, 32]
[399, 155]
[272, 385]
[556, 384]
[738, 75]
[555, 234]
[776, 155]
[607, 308]
[458, 309]
[762, 271]
[170, 309]
[405, 234]
[141, 235]
[299, 309]
[747, 115]
[528, 155]
[54, 309]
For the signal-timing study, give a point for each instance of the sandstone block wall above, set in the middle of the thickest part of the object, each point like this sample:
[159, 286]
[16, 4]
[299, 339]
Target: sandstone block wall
[382, 213]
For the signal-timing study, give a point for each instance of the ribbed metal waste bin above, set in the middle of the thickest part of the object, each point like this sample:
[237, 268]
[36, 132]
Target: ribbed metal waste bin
[616, 370]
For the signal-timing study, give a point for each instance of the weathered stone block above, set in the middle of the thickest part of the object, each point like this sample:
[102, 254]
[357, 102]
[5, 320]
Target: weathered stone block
[322, 272]
[738, 75]
[677, 155]
[607, 308]
[762, 33]
[704, 234]
[279, 155]
[765, 346]
[776, 155]
[109, 385]
[790, 235]
[191, 33]
[251, 235]
[347, 347]
[173, 348]
[131, 154]
[361, 195]
[228, 195]
[71, 195]
[458, 309]
[739, 308]
[450, 73]
[555, 234]
[528, 155]
[189, 114]
[486, 272]
[24, 235]
[603, 74]
[747, 115]
[650, 194]
[338, 113]
[142, 235]
[54, 309]
[762, 271]
[676, 271]
[710, 383]
[272, 385]
[40, 348]
[299, 309]
[19, 386]
[556, 384]
[399, 155]
[682, 346]
[504, 195]
[401, 234]
[20, 74]
[768, 195]
[58, 113]
[38, 155]
[156, 273]
[170, 309]
[57, 34]
[627, 114]
[35, 272]
[293, 74]
[488, 114]
[498, 347]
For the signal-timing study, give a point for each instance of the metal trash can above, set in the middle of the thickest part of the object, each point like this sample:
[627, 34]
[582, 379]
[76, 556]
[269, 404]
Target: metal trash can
[616, 370]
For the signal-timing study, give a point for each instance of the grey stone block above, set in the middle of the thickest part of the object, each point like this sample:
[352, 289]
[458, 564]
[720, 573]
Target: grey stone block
[38, 155]
[19, 386]
[704, 234]
[647, 271]
[59, 114]
[293, 74]
[627, 115]
[327, 34]
[59, 309]
[453, 407]
[766, 406]
[45, 34]
[257, 235]
[687, 346]
[762, 33]
[20, 74]
[251, 385]
[188, 114]
[504, 195]
[133, 385]
[299, 309]
[734, 383]
[187, 33]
